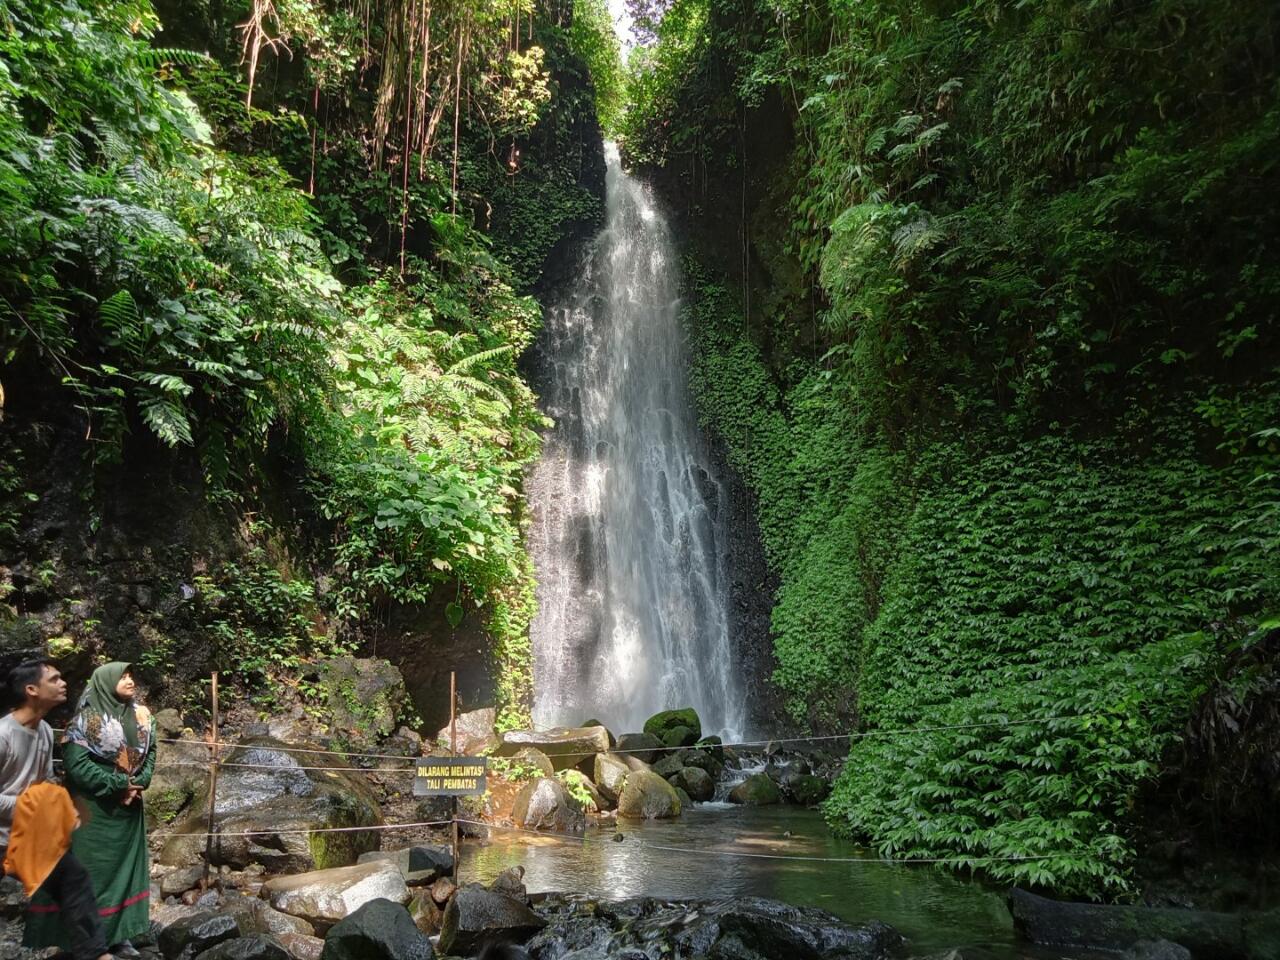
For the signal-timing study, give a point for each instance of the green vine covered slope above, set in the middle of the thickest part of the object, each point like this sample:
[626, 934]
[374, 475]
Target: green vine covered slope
[997, 353]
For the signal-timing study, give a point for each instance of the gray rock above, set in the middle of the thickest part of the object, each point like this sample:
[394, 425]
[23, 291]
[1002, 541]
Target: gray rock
[255, 915]
[610, 774]
[419, 864]
[545, 804]
[256, 946]
[427, 914]
[647, 796]
[757, 790]
[1157, 950]
[179, 881]
[533, 757]
[668, 766]
[475, 732]
[169, 723]
[277, 794]
[596, 723]
[511, 883]
[379, 930]
[180, 773]
[476, 916]
[302, 947]
[642, 746]
[1059, 923]
[805, 789]
[565, 746]
[697, 783]
[325, 896]
[195, 933]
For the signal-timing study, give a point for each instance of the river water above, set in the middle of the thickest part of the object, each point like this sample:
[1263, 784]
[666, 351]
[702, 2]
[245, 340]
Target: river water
[935, 910]
[628, 538]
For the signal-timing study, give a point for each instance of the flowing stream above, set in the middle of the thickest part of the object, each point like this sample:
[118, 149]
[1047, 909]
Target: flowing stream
[629, 537]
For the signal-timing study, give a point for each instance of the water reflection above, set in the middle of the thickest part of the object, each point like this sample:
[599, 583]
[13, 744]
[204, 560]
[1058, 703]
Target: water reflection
[934, 909]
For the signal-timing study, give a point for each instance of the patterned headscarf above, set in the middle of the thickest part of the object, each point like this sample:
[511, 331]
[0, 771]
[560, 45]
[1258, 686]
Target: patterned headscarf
[115, 730]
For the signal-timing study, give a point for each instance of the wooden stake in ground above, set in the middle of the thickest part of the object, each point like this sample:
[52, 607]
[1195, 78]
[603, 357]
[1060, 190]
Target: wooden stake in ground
[453, 752]
[213, 785]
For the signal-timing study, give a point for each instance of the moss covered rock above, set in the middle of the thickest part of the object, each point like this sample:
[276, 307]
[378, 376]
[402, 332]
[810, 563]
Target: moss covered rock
[758, 790]
[646, 796]
[363, 697]
[668, 720]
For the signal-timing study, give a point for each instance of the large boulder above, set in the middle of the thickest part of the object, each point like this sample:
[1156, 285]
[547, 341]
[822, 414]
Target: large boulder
[544, 804]
[703, 760]
[274, 796]
[326, 896]
[684, 720]
[476, 917]
[566, 746]
[363, 697]
[301, 946]
[379, 930]
[642, 746]
[254, 915]
[535, 758]
[195, 933]
[256, 946]
[646, 796]
[610, 774]
[805, 789]
[578, 783]
[180, 771]
[697, 783]
[668, 766]
[596, 723]
[757, 790]
[421, 864]
[475, 732]
[1223, 936]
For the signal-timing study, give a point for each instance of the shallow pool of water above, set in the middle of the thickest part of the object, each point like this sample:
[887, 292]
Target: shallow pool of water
[690, 858]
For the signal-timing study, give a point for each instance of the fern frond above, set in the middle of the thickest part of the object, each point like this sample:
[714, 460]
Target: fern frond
[484, 356]
[167, 420]
[157, 58]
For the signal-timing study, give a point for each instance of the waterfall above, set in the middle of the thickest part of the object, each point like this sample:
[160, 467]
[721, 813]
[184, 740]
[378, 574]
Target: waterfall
[628, 534]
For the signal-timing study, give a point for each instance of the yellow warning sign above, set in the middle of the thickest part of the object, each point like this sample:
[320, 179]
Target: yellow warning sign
[450, 777]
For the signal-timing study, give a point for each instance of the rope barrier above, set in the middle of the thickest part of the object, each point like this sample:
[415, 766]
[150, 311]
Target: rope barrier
[853, 735]
[769, 856]
[216, 834]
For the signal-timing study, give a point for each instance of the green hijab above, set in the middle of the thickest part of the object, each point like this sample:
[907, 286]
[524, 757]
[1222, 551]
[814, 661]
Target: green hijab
[100, 697]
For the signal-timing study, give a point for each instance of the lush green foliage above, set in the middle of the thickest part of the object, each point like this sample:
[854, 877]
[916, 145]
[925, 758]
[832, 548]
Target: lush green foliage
[1018, 455]
[594, 40]
[158, 259]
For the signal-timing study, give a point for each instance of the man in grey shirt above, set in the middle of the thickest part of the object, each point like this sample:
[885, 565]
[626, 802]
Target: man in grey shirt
[26, 757]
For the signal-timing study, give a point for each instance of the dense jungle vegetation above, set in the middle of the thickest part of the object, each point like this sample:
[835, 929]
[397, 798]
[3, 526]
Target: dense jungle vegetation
[981, 298]
[997, 352]
[309, 246]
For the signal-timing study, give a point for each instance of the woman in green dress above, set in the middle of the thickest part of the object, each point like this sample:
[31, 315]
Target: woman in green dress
[109, 751]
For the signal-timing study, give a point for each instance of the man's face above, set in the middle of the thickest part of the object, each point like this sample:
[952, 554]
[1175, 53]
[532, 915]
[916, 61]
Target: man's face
[50, 691]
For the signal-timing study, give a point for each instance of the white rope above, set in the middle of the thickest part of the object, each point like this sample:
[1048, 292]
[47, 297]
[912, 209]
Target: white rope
[769, 856]
[853, 735]
[274, 833]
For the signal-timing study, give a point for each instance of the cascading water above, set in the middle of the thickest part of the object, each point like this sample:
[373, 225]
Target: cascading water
[629, 536]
